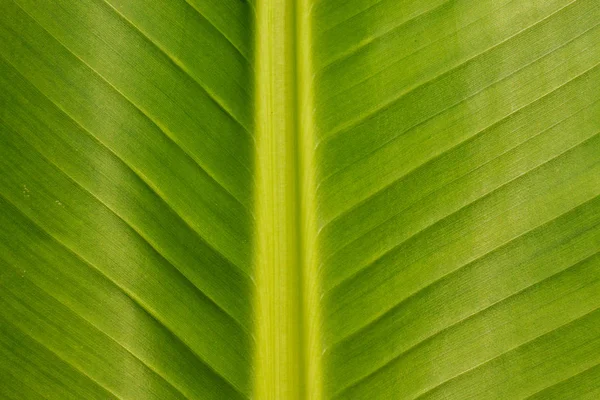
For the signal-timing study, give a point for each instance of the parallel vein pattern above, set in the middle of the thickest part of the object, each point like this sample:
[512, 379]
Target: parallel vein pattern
[289, 199]
[458, 158]
[126, 199]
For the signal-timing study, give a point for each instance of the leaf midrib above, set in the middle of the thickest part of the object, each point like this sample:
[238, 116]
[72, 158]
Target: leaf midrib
[288, 350]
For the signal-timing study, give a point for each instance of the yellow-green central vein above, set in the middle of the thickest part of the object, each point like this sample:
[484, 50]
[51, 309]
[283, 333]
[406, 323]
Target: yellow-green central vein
[288, 349]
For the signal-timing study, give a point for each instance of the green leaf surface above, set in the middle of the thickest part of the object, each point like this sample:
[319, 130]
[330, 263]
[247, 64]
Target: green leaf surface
[299, 199]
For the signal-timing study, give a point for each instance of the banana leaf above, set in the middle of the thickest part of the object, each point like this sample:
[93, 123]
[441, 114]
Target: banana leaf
[299, 199]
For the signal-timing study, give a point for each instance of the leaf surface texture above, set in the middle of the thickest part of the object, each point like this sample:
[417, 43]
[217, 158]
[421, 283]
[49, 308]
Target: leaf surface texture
[299, 199]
